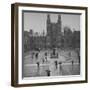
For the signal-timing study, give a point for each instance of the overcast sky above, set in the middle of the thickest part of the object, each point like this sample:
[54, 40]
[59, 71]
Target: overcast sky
[37, 21]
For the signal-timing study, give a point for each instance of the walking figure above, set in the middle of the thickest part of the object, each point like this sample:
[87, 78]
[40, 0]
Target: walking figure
[38, 64]
[60, 65]
[43, 60]
[46, 56]
[45, 53]
[36, 55]
[56, 64]
[72, 65]
[72, 62]
[48, 72]
[39, 49]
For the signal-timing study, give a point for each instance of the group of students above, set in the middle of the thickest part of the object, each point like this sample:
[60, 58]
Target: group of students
[35, 55]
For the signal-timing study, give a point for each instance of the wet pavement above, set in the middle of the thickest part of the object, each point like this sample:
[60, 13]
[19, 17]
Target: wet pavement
[67, 63]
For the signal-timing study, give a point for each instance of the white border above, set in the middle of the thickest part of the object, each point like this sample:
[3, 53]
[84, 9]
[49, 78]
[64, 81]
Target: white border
[51, 79]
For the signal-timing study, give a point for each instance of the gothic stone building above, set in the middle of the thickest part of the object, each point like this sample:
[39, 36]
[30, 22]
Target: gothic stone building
[54, 38]
[51, 40]
[54, 33]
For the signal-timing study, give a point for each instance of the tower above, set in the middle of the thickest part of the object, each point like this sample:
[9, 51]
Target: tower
[48, 19]
[48, 25]
[59, 19]
[54, 32]
[48, 39]
[59, 23]
[59, 30]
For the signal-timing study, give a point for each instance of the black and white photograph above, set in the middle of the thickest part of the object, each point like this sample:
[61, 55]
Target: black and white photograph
[51, 44]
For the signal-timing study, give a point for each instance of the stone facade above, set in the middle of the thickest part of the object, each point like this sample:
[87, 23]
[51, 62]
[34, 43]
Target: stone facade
[54, 38]
[54, 32]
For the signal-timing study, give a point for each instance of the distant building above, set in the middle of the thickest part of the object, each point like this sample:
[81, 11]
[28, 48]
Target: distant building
[54, 32]
[54, 38]
[26, 41]
[68, 34]
[37, 40]
[76, 39]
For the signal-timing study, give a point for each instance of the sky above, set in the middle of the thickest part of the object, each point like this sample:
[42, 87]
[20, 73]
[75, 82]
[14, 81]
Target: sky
[37, 21]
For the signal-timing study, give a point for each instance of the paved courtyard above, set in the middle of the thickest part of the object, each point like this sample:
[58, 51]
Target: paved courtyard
[66, 63]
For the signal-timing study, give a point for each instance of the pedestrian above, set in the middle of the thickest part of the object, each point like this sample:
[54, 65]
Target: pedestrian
[46, 56]
[72, 65]
[43, 60]
[39, 49]
[72, 62]
[78, 54]
[48, 72]
[45, 53]
[38, 64]
[36, 55]
[60, 65]
[56, 64]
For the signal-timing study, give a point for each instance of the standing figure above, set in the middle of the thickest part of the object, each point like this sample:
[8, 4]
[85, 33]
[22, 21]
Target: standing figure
[45, 53]
[46, 56]
[78, 54]
[43, 60]
[54, 51]
[38, 65]
[56, 64]
[38, 68]
[36, 55]
[48, 72]
[39, 49]
[72, 65]
[60, 67]
[72, 62]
